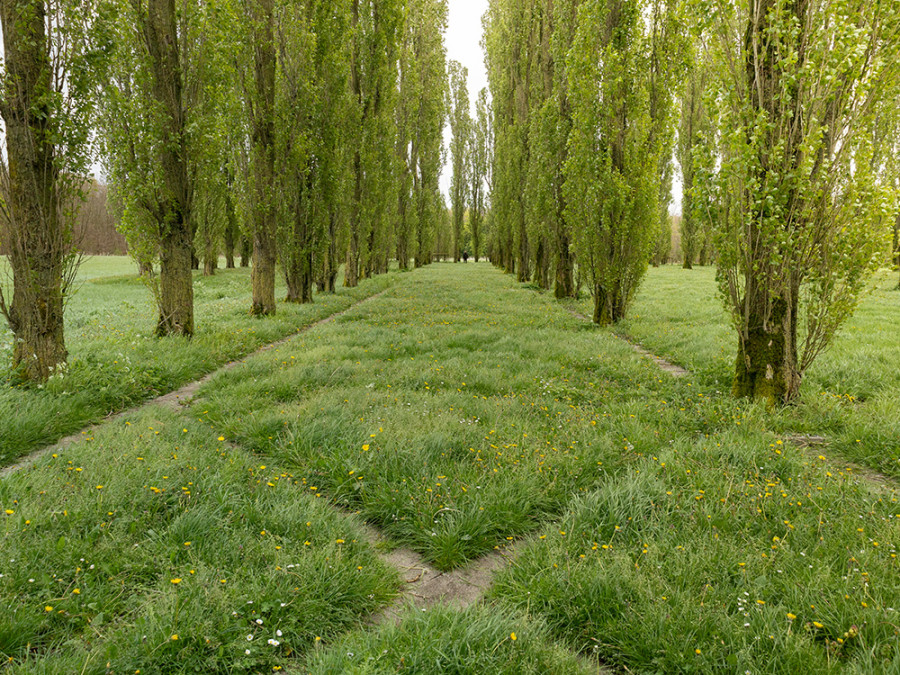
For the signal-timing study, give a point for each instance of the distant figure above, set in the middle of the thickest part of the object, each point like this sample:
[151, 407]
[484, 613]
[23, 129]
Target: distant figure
[465, 256]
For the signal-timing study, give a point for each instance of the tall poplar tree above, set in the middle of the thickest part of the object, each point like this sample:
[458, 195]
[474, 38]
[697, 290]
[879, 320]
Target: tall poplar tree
[806, 212]
[421, 110]
[46, 103]
[375, 28]
[621, 72]
[480, 158]
[461, 129]
[148, 148]
[259, 71]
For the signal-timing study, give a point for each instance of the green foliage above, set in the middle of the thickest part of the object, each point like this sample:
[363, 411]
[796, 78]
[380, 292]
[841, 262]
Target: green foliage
[621, 70]
[421, 112]
[460, 146]
[805, 211]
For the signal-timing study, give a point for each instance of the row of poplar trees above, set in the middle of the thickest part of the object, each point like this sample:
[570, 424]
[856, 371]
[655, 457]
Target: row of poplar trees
[311, 129]
[783, 115]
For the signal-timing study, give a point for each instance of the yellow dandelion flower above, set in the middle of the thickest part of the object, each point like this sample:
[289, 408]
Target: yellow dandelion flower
[512, 636]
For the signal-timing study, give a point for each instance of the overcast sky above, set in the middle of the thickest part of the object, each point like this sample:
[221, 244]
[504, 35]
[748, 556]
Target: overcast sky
[464, 45]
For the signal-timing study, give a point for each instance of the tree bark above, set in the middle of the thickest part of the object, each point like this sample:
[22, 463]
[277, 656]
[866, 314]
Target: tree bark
[231, 230]
[176, 285]
[262, 276]
[246, 250]
[176, 296]
[37, 236]
[565, 285]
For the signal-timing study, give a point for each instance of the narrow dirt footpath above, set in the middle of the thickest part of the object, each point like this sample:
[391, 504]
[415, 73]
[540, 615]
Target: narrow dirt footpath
[665, 366]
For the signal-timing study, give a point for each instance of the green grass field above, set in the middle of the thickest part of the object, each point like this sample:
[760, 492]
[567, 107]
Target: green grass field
[659, 526]
[115, 361]
[851, 395]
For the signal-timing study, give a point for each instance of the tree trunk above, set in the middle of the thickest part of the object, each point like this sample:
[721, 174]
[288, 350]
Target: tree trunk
[766, 366]
[210, 253]
[897, 244]
[231, 230]
[176, 284]
[176, 295]
[37, 236]
[565, 286]
[145, 268]
[246, 251]
[262, 276]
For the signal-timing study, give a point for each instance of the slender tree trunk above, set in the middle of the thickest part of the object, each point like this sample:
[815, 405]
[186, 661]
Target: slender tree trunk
[231, 230]
[262, 276]
[210, 252]
[565, 286]
[897, 243]
[246, 250]
[37, 236]
[176, 296]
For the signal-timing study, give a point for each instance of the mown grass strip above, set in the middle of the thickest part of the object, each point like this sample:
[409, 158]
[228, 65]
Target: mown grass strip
[116, 362]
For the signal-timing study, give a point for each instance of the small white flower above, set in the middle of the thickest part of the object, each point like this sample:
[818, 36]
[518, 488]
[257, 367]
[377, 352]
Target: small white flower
[259, 621]
[273, 642]
[278, 633]
[247, 652]
[250, 637]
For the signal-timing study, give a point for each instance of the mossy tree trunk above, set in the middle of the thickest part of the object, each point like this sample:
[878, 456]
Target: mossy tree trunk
[36, 235]
[262, 276]
[176, 295]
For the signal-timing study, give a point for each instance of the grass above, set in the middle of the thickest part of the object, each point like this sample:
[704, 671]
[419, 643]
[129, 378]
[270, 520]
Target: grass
[661, 525]
[115, 361]
[441, 641]
[850, 395]
[154, 546]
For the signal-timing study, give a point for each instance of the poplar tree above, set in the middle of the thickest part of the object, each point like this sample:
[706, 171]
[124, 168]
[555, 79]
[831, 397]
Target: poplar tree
[621, 72]
[806, 212]
[480, 156]
[259, 65]
[46, 104]
[421, 110]
[461, 129]
[507, 36]
[148, 151]
[375, 25]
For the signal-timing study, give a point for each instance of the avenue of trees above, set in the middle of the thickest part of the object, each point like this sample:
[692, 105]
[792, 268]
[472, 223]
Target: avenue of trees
[783, 116]
[308, 135]
[305, 133]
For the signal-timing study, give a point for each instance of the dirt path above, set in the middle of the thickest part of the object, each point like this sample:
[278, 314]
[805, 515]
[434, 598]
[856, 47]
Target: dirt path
[174, 399]
[665, 366]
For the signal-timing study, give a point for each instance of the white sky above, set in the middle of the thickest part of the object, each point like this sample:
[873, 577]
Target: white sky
[464, 45]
